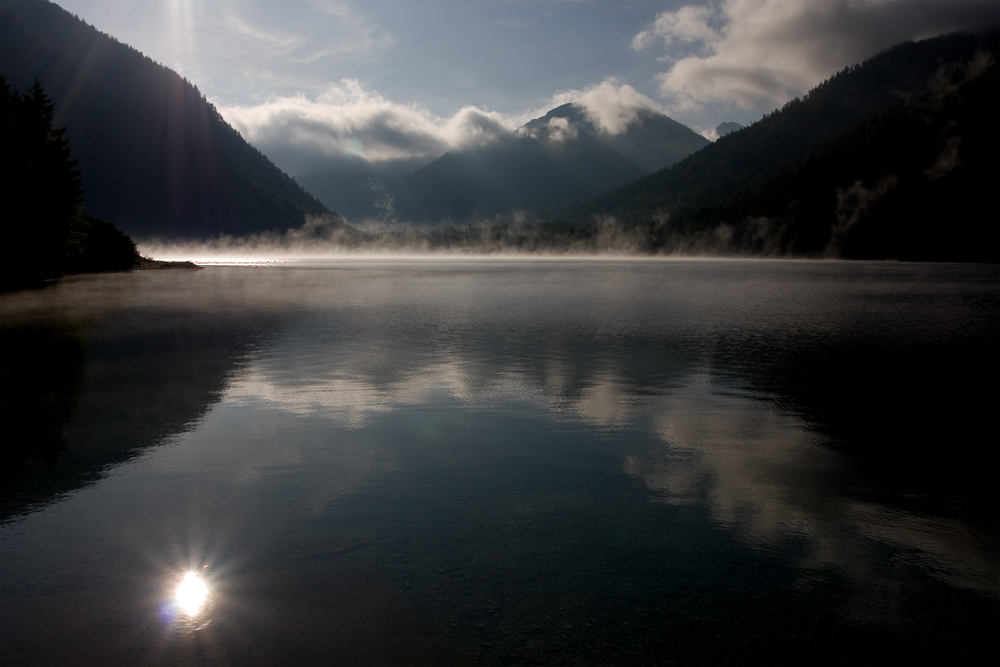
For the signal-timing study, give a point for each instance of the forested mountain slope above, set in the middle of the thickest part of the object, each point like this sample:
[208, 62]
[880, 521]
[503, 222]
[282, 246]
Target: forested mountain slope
[809, 178]
[916, 181]
[156, 157]
[512, 173]
[551, 161]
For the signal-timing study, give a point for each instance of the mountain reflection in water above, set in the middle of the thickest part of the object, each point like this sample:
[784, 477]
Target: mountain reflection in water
[602, 461]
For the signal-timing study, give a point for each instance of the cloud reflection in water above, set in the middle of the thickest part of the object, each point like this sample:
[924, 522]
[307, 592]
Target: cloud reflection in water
[761, 471]
[683, 393]
[766, 475]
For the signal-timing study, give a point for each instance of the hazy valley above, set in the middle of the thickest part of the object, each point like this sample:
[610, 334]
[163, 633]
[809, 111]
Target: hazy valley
[889, 158]
[484, 357]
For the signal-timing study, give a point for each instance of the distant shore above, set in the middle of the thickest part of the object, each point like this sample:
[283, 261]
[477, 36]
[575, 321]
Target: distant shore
[147, 264]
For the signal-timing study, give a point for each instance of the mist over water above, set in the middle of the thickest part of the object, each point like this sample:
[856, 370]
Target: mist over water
[518, 234]
[554, 462]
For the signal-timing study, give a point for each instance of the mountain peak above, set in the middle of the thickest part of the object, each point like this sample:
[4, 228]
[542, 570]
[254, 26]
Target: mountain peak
[565, 121]
[651, 139]
[725, 128]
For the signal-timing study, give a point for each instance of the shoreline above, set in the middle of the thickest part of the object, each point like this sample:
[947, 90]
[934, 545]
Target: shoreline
[147, 264]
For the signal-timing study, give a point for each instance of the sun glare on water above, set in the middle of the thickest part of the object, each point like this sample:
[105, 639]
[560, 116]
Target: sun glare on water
[191, 594]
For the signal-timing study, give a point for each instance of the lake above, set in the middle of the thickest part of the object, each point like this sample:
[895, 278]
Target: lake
[504, 461]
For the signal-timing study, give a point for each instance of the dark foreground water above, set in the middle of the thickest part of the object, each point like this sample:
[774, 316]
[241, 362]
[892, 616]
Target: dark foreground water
[504, 462]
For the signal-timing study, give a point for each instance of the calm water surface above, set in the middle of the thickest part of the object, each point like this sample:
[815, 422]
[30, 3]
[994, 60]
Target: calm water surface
[549, 462]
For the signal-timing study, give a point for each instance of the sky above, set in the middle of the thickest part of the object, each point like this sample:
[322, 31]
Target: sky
[317, 84]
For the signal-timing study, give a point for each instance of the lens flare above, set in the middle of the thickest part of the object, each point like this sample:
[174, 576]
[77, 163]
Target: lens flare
[191, 594]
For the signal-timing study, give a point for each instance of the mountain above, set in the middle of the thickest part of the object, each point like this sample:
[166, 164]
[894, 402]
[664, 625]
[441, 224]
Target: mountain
[914, 181]
[725, 128]
[156, 157]
[651, 140]
[550, 161]
[894, 157]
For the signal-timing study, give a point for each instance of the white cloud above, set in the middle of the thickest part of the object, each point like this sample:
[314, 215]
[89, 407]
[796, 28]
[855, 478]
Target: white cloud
[316, 30]
[765, 474]
[277, 41]
[610, 105]
[356, 35]
[560, 130]
[755, 54]
[687, 24]
[216, 42]
[347, 122]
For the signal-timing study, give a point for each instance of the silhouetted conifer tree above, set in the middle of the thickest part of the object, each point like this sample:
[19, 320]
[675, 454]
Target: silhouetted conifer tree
[44, 231]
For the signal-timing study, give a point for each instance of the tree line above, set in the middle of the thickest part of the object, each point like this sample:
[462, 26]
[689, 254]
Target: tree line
[893, 158]
[44, 230]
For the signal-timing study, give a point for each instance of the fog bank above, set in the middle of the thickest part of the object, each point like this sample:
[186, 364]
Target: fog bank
[514, 235]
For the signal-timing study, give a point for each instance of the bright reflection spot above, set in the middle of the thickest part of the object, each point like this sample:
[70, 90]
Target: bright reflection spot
[191, 593]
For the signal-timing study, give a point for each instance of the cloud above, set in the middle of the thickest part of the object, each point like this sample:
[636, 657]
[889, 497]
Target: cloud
[610, 105]
[687, 24]
[560, 129]
[322, 29]
[347, 126]
[347, 123]
[220, 43]
[765, 475]
[277, 41]
[756, 54]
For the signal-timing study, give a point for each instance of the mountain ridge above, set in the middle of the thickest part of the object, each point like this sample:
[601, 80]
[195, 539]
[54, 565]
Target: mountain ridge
[546, 162]
[156, 156]
[738, 157]
[908, 177]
